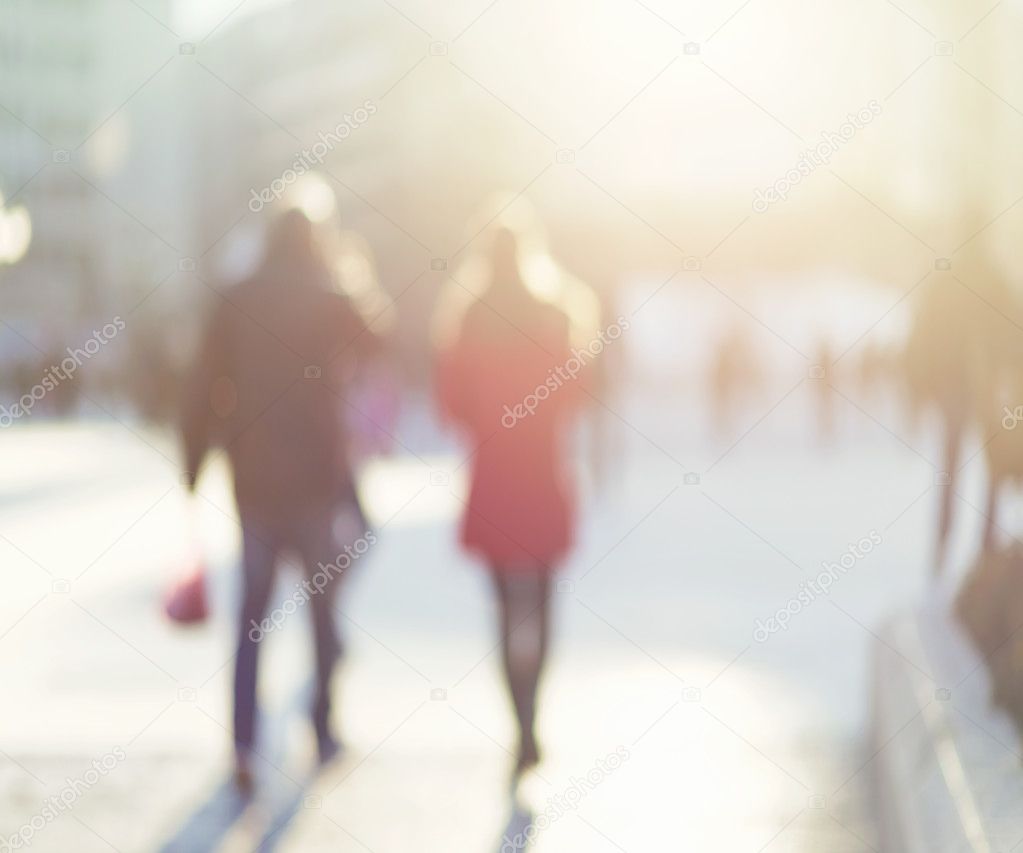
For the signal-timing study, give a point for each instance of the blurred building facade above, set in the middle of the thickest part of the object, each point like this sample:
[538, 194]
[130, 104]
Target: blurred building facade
[137, 151]
[326, 63]
[332, 65]
[84, 166]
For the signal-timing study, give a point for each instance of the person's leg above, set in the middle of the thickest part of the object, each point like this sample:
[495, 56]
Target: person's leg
[325, 565]
[953, 440]
[258, 561]
[328, 650]
[524, 622]
[991, 516]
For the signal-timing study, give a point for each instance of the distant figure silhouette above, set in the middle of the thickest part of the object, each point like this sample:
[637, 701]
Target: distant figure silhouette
[937, 365]
[733, 376]
[824, 398]
[998, 377]
[873, 369]
[268, 387]
[507, 377]
[962, 358]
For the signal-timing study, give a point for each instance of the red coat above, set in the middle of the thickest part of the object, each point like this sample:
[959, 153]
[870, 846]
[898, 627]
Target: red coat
[511, 389]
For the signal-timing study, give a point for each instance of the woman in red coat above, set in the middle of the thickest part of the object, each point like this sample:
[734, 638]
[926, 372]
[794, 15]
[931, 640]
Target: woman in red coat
[509, 379]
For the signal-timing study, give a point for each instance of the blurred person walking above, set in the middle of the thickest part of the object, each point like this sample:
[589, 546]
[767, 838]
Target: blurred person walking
[961, 360]
[998, 396]
[268, 387]
[733, 377]
[823, 396]
[510, 379]
[936, 366]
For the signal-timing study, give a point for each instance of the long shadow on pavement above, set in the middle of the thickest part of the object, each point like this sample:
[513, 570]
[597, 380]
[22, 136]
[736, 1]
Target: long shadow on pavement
[206, 826]
[514, 838]
[266, 815]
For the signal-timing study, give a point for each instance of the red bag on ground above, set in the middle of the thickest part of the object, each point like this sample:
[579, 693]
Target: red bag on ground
[185, 601]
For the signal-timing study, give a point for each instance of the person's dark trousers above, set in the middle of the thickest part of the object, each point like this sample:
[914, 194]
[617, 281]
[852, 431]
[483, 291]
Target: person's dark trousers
[261, 549]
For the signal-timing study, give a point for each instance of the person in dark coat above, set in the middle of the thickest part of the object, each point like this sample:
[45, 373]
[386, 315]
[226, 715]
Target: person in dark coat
[269, 388]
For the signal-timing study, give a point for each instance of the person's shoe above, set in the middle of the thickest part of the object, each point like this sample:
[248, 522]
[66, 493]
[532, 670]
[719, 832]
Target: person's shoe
[328, 748]
[243, 778]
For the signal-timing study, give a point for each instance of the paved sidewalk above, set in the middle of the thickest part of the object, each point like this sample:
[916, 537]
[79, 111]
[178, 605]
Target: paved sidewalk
[733, 744]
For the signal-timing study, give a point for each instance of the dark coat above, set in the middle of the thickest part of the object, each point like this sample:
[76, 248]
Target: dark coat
[269, 388]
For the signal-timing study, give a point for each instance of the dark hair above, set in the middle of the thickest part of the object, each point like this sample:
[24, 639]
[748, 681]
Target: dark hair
[291, 238]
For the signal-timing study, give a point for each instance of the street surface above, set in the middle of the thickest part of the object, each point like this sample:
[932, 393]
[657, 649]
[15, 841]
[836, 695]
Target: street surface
[733, 740]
